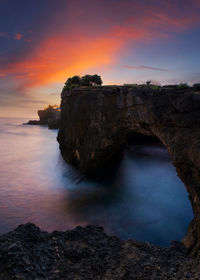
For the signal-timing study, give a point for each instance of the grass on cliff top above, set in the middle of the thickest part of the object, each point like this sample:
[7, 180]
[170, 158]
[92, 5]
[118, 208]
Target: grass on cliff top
[182, 86]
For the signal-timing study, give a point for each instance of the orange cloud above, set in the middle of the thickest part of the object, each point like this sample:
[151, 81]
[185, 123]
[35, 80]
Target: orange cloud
[58, 57]
[18, 36]
[61, 55]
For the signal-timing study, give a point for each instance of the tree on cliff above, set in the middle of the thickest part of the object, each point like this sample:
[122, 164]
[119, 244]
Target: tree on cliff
[75, 80]
[196, 86]
[148, 83]
[87, 80]
[91, 80]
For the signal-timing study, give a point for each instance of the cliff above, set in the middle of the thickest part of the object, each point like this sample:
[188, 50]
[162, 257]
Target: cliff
[49, 116]
[96, 123]
[29, 253]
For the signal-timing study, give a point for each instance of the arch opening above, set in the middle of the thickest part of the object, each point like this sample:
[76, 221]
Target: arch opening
[150, 201]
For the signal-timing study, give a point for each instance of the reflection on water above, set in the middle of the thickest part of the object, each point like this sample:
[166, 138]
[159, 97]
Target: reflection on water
[139, 197]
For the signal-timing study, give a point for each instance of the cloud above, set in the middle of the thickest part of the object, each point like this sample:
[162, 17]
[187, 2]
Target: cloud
[143, 67]
[28, 40]
[18, 36]
[93, 36]
[3, 34]
[76, 36]
[59, 56]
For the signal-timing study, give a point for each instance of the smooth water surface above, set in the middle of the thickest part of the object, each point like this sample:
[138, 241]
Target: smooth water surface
[140, 198]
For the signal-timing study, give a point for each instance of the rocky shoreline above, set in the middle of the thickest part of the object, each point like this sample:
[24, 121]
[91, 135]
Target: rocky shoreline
[85, 253]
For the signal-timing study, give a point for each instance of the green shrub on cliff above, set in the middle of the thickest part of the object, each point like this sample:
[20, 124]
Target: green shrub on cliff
[87, 80]
[91, 80]
[196, 87]
[183, 86]
[155, 86]
[131, 85]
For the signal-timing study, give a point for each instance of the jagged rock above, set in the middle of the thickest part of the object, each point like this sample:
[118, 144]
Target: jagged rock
[50, 117]
[33, 122]
[96, 123]
[28, 253]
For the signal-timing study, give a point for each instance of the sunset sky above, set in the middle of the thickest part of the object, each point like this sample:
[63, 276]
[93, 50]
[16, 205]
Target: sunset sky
[43, 42]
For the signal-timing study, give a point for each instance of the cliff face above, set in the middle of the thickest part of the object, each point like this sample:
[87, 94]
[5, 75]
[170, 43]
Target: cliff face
[50, 117]
[96, 122]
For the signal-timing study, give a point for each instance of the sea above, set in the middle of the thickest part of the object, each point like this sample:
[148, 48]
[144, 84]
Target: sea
[139, 197]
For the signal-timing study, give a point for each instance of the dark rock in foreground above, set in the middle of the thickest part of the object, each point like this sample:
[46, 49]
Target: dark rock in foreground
[96, 123]
[88, 253]
[49, 116]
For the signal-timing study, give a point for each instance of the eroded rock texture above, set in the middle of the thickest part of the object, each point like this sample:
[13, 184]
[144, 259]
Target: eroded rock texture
[28, 253]
[50, 117]
[96, 122]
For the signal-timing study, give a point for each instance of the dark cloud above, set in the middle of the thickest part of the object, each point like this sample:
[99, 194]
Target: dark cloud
[144, 67]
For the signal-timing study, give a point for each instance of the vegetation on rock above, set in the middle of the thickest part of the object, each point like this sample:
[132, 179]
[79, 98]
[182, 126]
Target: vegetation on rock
[51, 107]
[95, 80]
[50, 116]
[87, 80]
[182, 86]
[196, 86]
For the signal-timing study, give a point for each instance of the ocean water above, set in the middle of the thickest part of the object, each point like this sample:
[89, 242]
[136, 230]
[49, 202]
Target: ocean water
[139, 197]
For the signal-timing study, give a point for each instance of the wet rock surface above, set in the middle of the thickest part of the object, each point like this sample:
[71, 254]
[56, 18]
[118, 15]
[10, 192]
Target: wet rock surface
[88, 253]
[96, 123]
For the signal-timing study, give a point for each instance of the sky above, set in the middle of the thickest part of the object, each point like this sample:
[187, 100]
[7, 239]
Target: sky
[44, 42]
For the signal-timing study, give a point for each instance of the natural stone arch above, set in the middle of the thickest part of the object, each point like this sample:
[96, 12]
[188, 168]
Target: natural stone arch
[95, 124]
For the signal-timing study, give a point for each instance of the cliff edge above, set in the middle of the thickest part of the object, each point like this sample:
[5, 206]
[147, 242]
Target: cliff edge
[49, 116]
[97, 121]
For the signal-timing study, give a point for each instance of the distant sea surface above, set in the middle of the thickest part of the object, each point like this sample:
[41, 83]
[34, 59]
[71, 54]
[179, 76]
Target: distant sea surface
[139, 197]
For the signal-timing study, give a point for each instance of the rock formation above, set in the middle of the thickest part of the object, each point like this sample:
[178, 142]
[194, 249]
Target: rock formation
[49, 116]
[96, 123]
[28, 253]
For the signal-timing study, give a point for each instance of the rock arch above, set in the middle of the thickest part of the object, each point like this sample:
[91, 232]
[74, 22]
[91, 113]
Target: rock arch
[95, 124]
